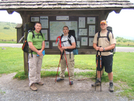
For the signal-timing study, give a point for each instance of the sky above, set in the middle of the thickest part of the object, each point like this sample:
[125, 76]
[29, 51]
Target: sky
[122, 23]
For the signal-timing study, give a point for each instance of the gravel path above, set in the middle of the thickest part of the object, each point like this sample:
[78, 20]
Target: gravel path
[18, 90]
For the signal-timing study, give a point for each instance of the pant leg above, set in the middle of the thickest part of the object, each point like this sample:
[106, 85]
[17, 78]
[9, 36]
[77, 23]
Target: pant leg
[63, 67]
[32, 69]
[70, 62]
[39, 65]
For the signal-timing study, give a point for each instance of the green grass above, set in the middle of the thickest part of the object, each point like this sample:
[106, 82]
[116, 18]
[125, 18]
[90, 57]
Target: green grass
[8, 34]
[12, 61]
[8, 42]
[21, 75]
[2, 92]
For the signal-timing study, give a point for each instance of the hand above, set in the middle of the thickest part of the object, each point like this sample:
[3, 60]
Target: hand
[101, 49]
[97, 48]
[61, 51]
[64, 48]
[39, 53]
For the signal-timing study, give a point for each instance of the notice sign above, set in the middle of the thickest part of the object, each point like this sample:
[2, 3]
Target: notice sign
[44, 21]
[34, 19]
[81, 22]
[62, 17]
[90, 20]
[84, 41]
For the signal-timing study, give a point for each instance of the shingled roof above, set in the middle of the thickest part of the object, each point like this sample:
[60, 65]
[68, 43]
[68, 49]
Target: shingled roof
[64, 4]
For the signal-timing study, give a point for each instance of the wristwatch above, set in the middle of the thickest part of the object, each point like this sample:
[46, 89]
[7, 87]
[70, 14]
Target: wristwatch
[103, 49]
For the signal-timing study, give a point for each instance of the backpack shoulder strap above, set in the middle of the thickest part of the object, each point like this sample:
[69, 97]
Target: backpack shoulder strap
[108, 35]
[32, 33]
[98, 37]
[69, 39]
[41, 34]
[61, 36]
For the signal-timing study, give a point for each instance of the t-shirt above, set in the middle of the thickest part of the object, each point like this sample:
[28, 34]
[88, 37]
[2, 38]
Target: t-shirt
[66, 43]
[37, 40]
[104, 42]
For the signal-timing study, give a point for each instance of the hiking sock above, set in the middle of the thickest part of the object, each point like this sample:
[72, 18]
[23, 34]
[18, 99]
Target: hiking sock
[110, 81]
[99, 79]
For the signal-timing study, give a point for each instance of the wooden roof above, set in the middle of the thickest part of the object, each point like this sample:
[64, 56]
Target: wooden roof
[64, 4]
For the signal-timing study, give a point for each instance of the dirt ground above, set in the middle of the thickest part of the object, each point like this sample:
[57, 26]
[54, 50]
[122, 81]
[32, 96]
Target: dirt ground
[18, 90]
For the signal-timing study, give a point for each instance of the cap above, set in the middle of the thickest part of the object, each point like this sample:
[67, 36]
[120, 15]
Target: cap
[103, 22]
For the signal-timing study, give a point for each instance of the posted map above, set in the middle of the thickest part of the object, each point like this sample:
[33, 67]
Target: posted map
[56, 28]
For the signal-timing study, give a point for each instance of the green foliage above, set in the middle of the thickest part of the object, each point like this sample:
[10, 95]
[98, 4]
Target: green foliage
[21, 76]
[120, 41]
[11, 60]
[2, 92]
[8, 31]
[82, 62]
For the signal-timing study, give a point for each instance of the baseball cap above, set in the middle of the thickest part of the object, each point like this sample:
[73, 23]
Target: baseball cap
[103, 22]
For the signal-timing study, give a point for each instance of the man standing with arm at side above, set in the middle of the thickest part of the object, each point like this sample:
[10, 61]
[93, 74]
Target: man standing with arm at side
[69, 55]
[104, 45]
[37, 45]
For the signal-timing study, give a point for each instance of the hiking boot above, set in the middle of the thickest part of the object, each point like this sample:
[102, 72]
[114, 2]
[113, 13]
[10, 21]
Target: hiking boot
[111, 87]
[33, 87]
[59, 79]
[71, 83]
[97, 83]
[40, 83]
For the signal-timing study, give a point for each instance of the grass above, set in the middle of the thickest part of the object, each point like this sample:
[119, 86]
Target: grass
[123, 67]
[2, 92]
[8, 34]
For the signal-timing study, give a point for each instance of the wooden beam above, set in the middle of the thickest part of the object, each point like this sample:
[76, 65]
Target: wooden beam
[117, 11]
[10, 11]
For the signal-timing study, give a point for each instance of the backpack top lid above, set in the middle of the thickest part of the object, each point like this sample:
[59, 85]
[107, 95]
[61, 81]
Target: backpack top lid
[72, 32]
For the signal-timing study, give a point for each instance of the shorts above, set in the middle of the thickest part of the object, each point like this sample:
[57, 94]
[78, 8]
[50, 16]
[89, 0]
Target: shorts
[107, 61]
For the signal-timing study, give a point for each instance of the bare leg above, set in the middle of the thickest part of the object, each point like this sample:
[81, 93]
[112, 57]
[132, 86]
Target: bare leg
[110, 76]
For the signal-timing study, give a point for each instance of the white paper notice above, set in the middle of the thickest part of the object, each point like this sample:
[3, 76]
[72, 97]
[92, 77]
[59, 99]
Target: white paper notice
[78, 44]
[55, 44]
[83, 41]
[44, 21]
[91, 30]
[91, 41]
[83, 32]
[46, 44]
[90, 20]
[81, 22]
[62, 17]
[34, 19]
[44, 32]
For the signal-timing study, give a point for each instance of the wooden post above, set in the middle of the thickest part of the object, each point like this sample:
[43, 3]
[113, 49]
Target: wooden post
[26, 69]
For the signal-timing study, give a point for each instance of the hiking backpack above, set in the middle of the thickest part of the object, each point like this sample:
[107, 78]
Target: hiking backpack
[113, 50]
[71, 33]
[25, 46]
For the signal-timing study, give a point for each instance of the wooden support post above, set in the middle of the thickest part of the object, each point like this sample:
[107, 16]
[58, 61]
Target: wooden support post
[26, 69]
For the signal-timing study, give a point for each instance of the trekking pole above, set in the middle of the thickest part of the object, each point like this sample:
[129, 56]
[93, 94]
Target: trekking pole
[60, 56]
[100, 70]
[67, 66]
[58, 67]
[96, 67]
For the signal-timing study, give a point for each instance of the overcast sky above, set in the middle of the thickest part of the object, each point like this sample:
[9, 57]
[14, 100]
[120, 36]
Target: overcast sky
[122, 23]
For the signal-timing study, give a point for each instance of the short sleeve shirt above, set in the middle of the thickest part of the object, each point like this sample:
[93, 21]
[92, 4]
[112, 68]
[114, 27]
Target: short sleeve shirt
[65, 42]
[104, 42]
[37, 40]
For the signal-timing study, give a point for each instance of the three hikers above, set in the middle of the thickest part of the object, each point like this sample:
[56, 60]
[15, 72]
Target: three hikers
[103, 42]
